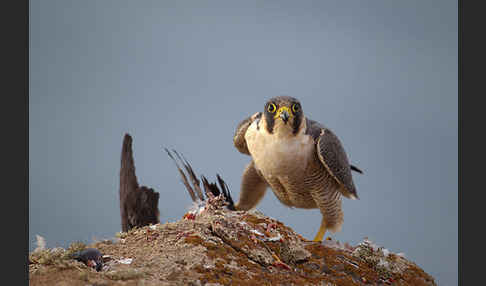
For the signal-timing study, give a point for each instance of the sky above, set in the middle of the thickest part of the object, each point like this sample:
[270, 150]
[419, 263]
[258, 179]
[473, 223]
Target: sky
[381, 74]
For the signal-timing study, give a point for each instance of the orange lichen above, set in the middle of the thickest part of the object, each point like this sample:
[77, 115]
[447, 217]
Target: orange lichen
[236, 249]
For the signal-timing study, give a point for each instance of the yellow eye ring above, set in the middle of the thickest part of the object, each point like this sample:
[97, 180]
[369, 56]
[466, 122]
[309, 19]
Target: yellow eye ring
[295, 108]
[272, 108]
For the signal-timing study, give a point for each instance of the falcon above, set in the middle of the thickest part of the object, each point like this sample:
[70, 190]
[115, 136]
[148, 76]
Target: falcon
[299, 159]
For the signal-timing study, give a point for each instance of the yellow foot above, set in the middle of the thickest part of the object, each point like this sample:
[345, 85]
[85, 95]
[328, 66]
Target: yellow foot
[320, 233]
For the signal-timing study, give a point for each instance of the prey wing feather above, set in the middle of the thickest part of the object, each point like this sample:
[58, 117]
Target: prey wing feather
[226, 192]
[183, 176]
[195, 181]
[210, 189]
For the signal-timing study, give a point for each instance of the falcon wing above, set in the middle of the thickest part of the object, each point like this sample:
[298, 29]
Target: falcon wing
[239, 137]
[332, 155]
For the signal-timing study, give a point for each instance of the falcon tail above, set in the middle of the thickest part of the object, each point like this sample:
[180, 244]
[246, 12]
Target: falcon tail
[356, 169]
[210, 189]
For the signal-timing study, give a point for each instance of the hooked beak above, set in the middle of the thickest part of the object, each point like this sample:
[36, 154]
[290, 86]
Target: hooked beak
[284, 115]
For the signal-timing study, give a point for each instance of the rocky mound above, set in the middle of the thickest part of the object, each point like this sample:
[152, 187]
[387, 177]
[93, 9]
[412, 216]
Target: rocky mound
[211, 245]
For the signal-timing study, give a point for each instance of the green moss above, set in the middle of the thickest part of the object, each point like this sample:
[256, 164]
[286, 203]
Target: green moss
[75, 247]
[48, 256]
[121, 234]
[84, 276]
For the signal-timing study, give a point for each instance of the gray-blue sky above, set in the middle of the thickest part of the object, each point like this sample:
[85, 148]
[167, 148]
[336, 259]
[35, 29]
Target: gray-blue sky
[182, 74]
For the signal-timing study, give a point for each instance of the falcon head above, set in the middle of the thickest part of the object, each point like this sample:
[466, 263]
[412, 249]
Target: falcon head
[283, 115]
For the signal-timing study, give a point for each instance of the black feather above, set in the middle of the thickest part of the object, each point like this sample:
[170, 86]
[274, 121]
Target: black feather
[210, 189]
[89, 254]
[356, 169]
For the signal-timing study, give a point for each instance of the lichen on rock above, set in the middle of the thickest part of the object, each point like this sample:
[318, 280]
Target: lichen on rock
[216, 246]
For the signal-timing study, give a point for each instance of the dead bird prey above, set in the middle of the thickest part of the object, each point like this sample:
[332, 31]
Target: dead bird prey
[92, 257]
[210, 189]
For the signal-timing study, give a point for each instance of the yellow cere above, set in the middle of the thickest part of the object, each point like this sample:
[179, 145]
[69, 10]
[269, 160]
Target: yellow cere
[281, 109]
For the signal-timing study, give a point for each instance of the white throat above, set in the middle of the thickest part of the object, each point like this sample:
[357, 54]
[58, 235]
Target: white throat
[277, 153]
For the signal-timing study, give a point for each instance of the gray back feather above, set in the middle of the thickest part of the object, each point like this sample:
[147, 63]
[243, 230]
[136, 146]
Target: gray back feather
[332, 155]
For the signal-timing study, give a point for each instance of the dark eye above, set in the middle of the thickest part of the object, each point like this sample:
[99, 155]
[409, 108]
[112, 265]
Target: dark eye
[296, 108]
[272, 108]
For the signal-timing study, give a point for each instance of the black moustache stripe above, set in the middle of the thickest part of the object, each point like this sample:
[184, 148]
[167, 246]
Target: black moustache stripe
[270, 123]
[297, 121]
